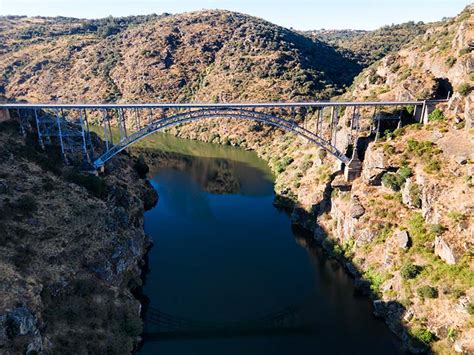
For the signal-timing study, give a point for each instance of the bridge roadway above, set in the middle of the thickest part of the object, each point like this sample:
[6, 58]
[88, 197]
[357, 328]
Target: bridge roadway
[21, 105]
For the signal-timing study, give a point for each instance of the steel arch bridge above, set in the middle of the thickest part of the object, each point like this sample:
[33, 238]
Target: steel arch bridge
[67, 125]
[230, 113]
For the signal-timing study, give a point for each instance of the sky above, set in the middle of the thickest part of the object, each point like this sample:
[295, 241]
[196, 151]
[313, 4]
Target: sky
[298, 14]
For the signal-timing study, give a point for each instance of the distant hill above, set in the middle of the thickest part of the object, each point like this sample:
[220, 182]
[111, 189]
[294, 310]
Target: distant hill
[205, 56]
[366, 47]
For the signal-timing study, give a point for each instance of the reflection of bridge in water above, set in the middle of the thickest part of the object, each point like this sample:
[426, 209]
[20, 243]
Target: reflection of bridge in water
[292, 320]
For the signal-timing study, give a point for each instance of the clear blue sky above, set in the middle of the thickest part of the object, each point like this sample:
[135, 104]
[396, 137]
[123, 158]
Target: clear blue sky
[299, 14]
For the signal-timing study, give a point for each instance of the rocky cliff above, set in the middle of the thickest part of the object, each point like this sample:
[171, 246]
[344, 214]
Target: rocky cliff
[406, 226]
[71, 249]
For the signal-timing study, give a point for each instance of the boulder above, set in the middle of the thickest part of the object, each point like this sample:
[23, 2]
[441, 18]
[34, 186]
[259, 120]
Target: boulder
[319, 235]
[357, 210]
[374, 166]
[411, 194]
[20, 322]
[380, 309]
[402, 238]
[445, 251]
[429, 196]
[364, 236]
[463, 304]
[352, 270]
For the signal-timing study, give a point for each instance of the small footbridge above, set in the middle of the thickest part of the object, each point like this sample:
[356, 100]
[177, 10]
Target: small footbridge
[68, 125]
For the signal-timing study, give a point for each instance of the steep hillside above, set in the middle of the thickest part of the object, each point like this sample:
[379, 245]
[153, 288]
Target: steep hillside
[366, 47]
[434, 65]
[71, 250]
[205, 56]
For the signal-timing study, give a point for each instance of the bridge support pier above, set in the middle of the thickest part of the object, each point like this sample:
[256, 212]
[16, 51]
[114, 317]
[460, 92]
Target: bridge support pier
[353, 169]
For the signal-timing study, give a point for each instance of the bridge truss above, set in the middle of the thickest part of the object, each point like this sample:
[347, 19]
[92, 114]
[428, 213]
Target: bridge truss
[67, 125]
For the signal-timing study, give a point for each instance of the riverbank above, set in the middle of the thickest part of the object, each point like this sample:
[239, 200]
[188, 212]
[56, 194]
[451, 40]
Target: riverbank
[71, 250]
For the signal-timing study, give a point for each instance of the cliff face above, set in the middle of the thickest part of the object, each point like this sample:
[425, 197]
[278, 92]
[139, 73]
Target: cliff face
[407, 226]
[71, 249]
[434, 65]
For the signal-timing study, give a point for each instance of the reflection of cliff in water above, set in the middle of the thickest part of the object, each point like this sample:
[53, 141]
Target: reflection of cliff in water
[214, 175]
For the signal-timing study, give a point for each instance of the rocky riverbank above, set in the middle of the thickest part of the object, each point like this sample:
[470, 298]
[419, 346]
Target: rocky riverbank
[72, 247]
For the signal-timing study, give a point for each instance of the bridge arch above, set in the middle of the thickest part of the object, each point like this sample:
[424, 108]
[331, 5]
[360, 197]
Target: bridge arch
[232, 113]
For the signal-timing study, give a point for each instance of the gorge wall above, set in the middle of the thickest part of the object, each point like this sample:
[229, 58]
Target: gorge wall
[71, 249]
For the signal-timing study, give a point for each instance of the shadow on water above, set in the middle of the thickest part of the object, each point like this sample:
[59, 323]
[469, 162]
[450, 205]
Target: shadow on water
[223, 252]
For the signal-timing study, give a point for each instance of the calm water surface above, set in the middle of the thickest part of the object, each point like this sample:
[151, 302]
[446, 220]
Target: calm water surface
[222, 252]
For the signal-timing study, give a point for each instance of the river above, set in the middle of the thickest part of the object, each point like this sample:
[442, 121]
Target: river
[222, 252]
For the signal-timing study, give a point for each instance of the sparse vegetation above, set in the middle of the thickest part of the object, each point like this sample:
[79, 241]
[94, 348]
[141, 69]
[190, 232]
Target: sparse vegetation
[393, 180]
[94, 184]
[464, 89]
[436, 115]
[409, 271]
[427, 292]
[423, 335]
[450, 61]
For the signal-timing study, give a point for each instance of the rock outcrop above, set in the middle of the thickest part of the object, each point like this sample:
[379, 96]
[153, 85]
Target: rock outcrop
[445, 251]
[374, 165]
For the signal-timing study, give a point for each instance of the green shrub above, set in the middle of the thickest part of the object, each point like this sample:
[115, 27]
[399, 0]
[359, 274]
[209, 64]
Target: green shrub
[94, 184]
[464, 89]
[282, 164]
[410, 271]
[421, 148]
[436, 229]
[376, 279]
[436, 115]
[393, 181]
[432, 167]
[465, 50]
[470, 308]
[450, 61]
[423, 335]
[388, 149]
[417, 230]
[456, 216]
[410, 109]
[307, 164]
[405, 172]
[427, 292]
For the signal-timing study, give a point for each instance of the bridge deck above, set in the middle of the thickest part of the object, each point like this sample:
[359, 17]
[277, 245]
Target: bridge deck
[213, 105]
